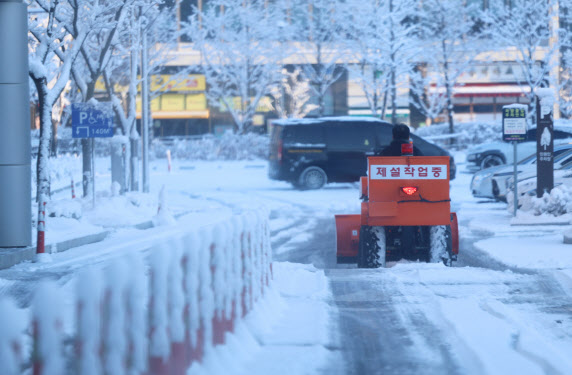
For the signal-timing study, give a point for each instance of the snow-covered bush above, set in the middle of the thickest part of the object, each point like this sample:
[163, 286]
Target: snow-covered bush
[468, 133]
[230, 146]
[557, 202]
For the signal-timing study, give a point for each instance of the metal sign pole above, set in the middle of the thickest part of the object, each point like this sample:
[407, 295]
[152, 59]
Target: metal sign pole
[514, 131]
[515, 204]
[91, 121]
[93, 171]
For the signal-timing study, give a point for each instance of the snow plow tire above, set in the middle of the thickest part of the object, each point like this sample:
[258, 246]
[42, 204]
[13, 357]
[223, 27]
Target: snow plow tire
[441, 245]
[370, 253]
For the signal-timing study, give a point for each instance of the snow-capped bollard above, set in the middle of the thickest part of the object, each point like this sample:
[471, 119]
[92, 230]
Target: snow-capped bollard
[137, 333]
[194, 334]
[249, 263]
[169, 161]
[88, 329]
[236, 268]
[256, 259]
[163, 216]
[48, 356]
[217, 268]
[227, 290]
[159, 317]
[11, 335]
[115, 342]
[206, 290]
[243, 273]
[178, 361]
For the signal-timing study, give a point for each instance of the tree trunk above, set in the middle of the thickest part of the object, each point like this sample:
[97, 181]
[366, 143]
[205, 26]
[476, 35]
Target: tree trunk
[42, 167]
[86, 153]
[449, 92]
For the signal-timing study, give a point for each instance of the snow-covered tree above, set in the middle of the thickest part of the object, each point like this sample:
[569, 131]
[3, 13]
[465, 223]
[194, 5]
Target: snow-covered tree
[319, 25]
[565, 87]
[523, 28]
[380, 40]
[292, 95]
[427, 90]
[448, 45]
[238, 42]
[120, 75]
[56, 40]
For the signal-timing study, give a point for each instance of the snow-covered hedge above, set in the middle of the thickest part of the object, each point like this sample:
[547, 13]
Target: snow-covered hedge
[467, 133]
[227, 147]
[154, 315]
[556, 203]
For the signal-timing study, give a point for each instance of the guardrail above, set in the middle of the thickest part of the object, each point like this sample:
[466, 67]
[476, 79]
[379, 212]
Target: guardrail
[152, 315]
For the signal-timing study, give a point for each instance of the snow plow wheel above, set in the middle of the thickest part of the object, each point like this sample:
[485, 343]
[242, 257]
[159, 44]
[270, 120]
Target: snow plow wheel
[371, 252]
[441, 245]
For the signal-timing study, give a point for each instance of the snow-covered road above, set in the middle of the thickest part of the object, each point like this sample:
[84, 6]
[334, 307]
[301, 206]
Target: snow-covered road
[506, 306]
[486, 315]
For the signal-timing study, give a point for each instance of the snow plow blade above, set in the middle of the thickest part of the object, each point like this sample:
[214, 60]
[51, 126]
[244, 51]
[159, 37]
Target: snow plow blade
[347, 237]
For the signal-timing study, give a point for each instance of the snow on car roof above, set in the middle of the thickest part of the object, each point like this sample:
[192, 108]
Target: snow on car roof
[305, 121]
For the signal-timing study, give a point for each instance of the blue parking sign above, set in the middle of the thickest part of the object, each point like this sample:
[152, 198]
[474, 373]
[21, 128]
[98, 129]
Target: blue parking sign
[92, 120]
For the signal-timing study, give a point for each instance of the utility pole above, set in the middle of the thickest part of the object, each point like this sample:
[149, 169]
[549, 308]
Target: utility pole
[15, 154]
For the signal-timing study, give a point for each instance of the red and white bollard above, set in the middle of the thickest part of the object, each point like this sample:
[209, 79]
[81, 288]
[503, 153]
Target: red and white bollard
[41, 243]
[169, 160]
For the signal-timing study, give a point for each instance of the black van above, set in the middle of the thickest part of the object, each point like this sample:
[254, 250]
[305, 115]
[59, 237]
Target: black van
[312, 152]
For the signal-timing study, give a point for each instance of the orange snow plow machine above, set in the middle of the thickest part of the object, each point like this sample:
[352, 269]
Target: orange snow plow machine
[405, 214]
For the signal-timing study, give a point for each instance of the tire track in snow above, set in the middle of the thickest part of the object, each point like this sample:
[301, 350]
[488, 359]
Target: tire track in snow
[377, 335]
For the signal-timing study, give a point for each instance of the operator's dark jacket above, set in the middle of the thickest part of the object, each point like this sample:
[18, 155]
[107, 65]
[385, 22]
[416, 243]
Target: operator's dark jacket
[394, 149]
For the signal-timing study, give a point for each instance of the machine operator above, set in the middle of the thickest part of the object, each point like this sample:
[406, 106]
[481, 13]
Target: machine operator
[401, 144]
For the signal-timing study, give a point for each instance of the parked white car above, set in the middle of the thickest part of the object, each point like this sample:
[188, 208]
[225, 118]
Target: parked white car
[482, 182]
[562, 167]
[483, 186]
[497, 153]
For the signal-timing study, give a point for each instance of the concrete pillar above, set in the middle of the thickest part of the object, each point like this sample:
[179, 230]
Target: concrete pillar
[15, 155]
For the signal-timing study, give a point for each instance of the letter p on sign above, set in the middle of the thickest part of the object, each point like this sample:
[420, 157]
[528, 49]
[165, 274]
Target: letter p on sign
[82, 116]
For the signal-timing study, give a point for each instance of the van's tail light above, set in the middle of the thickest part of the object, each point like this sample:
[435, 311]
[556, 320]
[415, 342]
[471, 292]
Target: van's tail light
[280, 147]
[409, 190]
[407, 149]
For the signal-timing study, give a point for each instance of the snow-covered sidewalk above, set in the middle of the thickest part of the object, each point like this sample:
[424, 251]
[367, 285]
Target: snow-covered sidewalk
[294, 320]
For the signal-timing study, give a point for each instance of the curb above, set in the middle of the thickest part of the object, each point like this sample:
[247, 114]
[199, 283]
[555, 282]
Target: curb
[11, 256]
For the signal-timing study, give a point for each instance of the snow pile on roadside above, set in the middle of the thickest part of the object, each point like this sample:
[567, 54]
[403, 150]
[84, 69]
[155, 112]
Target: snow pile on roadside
[230, 146]
[110, 211]
[556, 203]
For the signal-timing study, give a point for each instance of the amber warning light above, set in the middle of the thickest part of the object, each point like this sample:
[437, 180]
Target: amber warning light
[409, 190]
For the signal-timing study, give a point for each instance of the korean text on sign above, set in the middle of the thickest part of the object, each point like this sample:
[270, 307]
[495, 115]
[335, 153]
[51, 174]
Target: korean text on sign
[403, 172]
